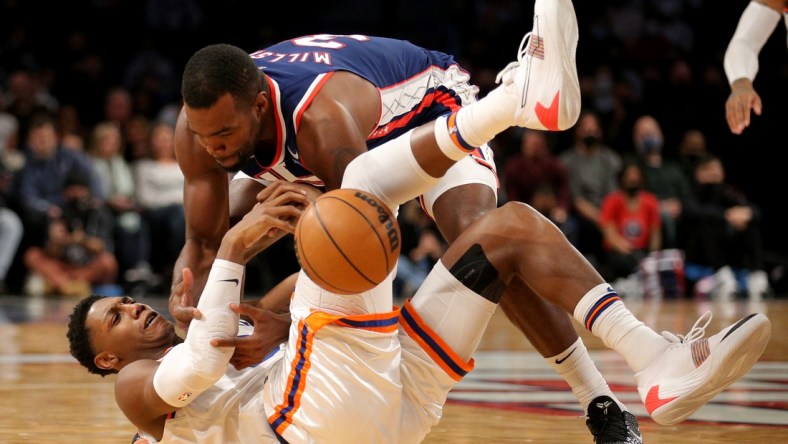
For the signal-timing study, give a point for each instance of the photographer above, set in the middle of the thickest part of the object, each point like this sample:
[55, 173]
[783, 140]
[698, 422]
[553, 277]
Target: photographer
[77, 252]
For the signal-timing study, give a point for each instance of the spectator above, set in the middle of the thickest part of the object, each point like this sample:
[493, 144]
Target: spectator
[137, 138]
[420, 249]
[130, 235]
[26, 99]
[39, 185]
[160, 196]
[535, 176]
[691, 149]
[74, 257]
[724, 251]
[663, 177]
[592, 167]
[630, 223]
[11, 228]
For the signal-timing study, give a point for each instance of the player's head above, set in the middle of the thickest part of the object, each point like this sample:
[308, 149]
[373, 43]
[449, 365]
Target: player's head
[225, 96]
[106, 333]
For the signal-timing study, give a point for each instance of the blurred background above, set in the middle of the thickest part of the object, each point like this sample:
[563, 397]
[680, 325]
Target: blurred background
[107, 74]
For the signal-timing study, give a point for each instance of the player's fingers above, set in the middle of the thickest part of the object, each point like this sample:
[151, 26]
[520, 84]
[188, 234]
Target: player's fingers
[292, 197]
[248, 310]
[267, 191]
[757, 105]
[279, 188]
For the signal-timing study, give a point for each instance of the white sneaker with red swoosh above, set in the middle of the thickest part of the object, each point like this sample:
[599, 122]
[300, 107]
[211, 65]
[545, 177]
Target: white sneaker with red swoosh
[544, 77]
[694, 369]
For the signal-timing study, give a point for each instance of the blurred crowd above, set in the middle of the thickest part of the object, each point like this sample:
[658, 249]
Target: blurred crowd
[649, 185]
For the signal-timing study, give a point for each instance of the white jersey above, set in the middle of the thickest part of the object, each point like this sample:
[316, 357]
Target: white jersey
[352, 372]
[230, 412]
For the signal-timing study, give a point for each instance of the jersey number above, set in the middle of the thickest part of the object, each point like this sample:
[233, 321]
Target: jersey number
[327, 41]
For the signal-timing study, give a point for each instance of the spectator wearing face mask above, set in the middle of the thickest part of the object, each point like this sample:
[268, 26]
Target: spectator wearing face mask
[724, 254]
[663, 177]
[630, 223]
[692, 148]
[592, 167]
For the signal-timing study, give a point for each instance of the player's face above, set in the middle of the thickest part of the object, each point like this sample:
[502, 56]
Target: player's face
[127, 329]
[228, 132]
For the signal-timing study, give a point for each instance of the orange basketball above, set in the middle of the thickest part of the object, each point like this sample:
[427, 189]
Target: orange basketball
[347, 241]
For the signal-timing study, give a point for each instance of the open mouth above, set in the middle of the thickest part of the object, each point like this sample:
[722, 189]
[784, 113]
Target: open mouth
[151, 317]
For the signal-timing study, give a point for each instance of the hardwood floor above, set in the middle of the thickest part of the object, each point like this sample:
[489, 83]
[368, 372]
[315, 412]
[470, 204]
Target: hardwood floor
[511, 396]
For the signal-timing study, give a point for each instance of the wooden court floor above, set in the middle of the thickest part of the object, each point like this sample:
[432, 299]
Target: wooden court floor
[511, 396]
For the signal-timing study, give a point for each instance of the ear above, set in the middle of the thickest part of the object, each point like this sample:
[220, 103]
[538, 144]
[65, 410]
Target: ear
[261, 102]
[106, 361]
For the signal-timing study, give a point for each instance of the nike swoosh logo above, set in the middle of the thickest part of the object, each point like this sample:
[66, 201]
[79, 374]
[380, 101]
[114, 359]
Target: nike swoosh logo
[738, 324]
[653, 401]
[558, 361]
[234, 281]
[548, 116]
[292, 153]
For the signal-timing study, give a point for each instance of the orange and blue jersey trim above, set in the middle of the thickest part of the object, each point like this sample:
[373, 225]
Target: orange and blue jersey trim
[600, 306]
[431, 343]
[299, 368]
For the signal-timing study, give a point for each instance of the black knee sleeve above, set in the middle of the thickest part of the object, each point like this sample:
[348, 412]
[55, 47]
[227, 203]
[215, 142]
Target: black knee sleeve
[475, 272]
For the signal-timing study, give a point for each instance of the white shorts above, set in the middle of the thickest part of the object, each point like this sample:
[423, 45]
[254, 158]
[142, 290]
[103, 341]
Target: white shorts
[352, 375]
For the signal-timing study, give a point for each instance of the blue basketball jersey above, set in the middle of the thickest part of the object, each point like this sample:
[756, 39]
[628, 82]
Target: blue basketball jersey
[416, 86]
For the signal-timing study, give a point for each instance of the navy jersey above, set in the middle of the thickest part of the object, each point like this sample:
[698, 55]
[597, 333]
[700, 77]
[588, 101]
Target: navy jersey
[416, 86]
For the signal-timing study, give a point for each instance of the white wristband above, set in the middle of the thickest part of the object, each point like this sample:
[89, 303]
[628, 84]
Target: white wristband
[756, 24]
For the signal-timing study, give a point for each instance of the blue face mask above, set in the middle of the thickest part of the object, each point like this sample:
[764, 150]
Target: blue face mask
[650, 144]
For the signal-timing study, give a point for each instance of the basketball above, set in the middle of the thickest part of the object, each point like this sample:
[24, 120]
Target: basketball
[347, 241]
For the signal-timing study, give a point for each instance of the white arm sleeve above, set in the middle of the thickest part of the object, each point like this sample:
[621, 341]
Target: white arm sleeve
[756, 24]
[194, 366]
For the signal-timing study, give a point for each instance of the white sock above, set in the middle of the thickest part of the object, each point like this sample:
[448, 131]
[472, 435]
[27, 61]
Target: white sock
[474, 124]
[578, 370]
[603, 313]
[479, 122]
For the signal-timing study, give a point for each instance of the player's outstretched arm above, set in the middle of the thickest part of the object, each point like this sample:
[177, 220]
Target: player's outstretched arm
[147, 390]
[756, 24]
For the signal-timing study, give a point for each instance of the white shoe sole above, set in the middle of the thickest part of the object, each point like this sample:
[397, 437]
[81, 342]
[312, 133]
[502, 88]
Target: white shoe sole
[729, 362]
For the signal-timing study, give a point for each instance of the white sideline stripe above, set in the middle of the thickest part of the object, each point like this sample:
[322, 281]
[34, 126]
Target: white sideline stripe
[37, 358]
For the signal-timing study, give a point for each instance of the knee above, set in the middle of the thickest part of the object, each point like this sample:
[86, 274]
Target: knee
[521, 221]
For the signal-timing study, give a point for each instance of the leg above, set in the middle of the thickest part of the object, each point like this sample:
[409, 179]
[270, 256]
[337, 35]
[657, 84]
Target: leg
[546, 326]
[53, 270]
[103, 269]
[12, 230]
[676, 374]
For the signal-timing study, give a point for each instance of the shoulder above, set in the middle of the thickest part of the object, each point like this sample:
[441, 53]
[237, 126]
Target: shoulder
[132, 382]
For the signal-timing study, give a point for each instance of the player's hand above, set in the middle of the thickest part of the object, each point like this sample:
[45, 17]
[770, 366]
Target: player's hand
[278, 187]
[181, 303]
[267, 220]
[270, 329]
[741, 101]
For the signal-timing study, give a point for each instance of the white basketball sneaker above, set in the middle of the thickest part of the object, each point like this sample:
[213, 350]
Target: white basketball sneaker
[694, 369]
[544, 77]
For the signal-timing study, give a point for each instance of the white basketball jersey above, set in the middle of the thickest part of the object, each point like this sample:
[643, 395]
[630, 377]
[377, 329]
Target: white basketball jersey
[230, 412]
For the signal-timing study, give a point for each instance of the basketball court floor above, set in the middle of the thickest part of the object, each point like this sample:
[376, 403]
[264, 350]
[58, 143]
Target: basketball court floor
[511, 396]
